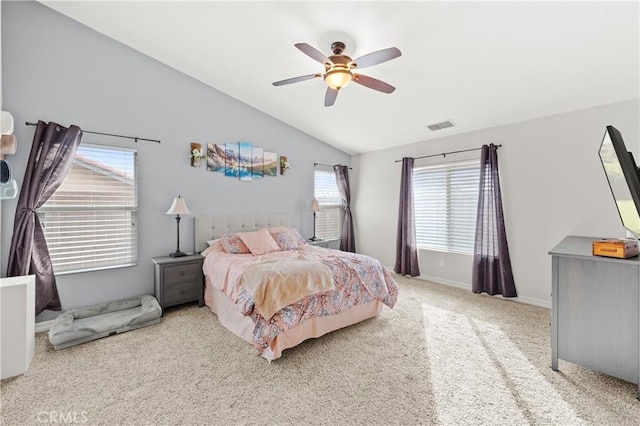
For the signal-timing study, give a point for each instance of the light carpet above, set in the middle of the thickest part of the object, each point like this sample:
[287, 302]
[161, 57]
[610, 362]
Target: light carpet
[442, 356]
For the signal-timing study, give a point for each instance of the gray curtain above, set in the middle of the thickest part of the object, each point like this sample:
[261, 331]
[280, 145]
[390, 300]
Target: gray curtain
[52, 153]
[406, 246]
[347, 237]
[492, 272]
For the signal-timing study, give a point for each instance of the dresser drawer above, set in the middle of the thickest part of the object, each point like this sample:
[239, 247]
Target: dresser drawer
[175, 294]
[182, 273]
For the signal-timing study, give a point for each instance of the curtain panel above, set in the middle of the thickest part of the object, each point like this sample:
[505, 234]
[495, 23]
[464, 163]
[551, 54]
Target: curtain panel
[406, 245]
[492, 272]
[347, 236]
[52, 154]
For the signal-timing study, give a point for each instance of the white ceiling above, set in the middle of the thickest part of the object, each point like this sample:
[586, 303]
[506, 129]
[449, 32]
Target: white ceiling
[479, 64]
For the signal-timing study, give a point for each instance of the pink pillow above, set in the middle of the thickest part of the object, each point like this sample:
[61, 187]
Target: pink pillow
[259, 242]
[287, 237]
[233, 244]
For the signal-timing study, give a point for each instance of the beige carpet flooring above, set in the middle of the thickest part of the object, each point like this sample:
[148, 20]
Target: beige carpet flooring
[442, 356]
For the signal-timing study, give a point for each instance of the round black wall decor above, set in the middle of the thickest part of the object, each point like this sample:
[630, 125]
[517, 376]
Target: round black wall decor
[5, 171]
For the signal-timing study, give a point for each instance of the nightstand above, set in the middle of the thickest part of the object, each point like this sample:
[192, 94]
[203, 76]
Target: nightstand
[319, 243]
[178, 280]
[322, 243]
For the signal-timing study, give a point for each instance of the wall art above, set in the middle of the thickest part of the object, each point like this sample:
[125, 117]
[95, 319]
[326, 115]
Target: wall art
[197, 155]
[284, 165]
[270, 163]
[257, 163]
[241, 160]
[232, 160]
[216, 157]
[244, 161]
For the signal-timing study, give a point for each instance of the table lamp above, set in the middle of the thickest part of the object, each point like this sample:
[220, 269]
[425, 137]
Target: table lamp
[315, 207]
[178, 207]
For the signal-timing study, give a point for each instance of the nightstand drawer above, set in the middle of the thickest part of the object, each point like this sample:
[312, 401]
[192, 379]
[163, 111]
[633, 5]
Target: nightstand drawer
[176, 294]
[182, 273]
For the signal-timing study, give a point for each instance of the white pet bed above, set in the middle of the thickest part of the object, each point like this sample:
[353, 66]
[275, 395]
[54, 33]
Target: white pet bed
[82, 325]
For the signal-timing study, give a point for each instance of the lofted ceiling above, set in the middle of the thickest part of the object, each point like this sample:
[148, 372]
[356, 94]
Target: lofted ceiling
[478, 64]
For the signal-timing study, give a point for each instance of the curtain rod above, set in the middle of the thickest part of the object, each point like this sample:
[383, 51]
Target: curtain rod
[444, 154]
[135, 138]
[326, 165]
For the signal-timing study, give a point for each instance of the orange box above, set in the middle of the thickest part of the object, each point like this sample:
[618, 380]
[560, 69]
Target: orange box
[622, 248]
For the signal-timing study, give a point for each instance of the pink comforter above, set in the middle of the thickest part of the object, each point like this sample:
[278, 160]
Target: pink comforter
[358, 279]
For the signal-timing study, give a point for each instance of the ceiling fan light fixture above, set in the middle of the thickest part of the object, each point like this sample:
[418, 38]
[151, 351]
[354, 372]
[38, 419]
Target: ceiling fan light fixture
[338, 69]
[338, 77]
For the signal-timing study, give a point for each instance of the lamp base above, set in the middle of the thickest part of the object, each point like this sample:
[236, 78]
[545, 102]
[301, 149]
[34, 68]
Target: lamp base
[178, 254]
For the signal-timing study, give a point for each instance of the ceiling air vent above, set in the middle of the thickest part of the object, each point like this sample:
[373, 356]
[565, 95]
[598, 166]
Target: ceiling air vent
[440, 126]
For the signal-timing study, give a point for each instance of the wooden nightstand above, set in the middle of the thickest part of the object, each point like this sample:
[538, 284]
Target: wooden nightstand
[178, 280]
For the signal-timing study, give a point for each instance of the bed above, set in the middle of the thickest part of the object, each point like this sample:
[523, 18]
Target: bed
[276, 298]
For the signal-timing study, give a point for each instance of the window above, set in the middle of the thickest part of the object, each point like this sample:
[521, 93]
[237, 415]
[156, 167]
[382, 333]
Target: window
[445, 201]
[90, 221]
[329, 218]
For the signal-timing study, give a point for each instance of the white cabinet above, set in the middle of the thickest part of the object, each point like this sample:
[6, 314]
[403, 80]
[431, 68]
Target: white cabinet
[17, 324]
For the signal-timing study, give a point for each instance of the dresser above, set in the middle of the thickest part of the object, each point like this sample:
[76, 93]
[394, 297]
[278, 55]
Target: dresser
[178, 280]
[595, 315]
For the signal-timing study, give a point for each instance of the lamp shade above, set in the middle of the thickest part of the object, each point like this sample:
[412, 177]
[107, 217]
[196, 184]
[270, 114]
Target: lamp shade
[315, 207]
[179, 206]
[338, 77]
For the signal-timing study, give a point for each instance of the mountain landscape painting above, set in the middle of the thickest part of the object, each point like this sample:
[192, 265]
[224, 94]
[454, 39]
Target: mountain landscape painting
[257, 162]
[216, 156]
[232, 160]
[270, 163]
[241, 160]
[244, 161]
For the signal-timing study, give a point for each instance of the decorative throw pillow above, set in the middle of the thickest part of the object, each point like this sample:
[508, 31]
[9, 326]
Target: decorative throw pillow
[259, 242]
[232, 244]
[287, 237]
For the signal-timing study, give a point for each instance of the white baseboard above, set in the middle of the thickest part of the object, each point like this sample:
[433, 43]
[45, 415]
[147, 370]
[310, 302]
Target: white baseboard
[465, 286]
[43, 326]
[450, 283]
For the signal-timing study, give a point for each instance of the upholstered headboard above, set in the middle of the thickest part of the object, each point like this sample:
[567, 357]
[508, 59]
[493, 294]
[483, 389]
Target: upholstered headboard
[210, 227]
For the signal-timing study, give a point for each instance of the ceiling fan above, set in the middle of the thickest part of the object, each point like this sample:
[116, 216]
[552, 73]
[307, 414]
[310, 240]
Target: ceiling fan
[338, 69]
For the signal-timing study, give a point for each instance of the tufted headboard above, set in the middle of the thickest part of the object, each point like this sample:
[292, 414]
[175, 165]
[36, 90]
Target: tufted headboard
[210, 227]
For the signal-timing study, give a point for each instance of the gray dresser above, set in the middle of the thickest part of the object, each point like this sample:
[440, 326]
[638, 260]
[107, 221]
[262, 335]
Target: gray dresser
[178, 280]
[595, 310]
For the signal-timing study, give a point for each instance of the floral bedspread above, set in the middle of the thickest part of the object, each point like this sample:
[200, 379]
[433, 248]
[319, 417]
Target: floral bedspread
[359, 279]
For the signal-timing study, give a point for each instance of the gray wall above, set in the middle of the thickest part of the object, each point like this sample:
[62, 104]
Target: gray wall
[55, 69]
[552, 181]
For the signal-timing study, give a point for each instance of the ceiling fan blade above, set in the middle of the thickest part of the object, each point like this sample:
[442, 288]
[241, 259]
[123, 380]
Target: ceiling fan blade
[313, 53]
[330, 96]
[373, 83]
[296, 79]
[377, 57]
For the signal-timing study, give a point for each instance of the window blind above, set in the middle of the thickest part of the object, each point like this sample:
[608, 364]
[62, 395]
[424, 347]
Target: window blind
[445, 201]
[329, 218]
[90, 221]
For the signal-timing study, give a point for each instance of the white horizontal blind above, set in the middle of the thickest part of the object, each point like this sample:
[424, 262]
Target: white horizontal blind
[329, 218]
[445, 201]
[90, 221]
